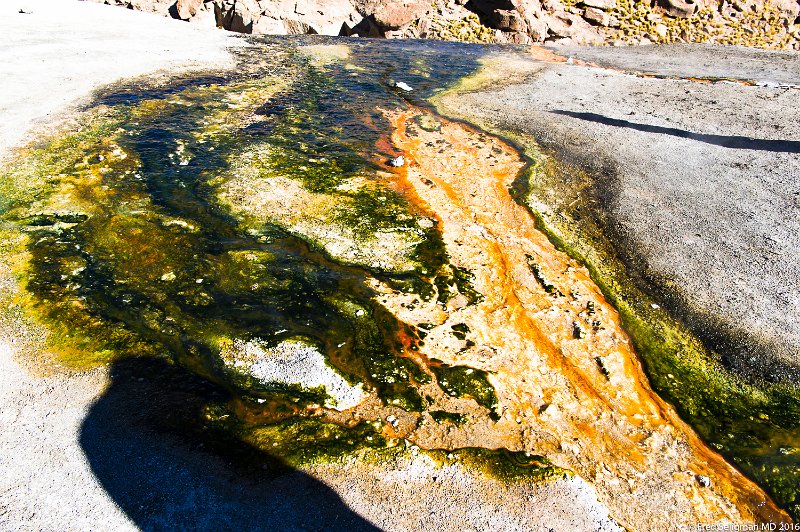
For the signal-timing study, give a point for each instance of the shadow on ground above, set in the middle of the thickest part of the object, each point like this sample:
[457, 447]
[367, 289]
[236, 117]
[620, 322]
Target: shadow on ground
[146, 443]
[724, 141]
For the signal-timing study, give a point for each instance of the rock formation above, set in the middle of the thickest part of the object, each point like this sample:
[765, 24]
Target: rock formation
[762, 23]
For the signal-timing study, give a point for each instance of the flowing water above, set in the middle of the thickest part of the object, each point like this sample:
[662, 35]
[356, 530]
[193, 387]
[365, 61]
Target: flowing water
[248, 227]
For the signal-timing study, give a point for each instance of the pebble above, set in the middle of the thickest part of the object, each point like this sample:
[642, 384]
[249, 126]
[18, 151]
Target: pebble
[397, 161]
[403, 86]
[703, 480]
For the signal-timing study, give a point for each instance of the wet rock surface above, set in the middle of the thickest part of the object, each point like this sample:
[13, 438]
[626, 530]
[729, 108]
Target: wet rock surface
[130, 244]
[633, 144]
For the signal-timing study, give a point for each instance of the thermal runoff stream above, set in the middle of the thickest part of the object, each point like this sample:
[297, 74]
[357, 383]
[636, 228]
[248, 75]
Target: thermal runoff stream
[350, 274]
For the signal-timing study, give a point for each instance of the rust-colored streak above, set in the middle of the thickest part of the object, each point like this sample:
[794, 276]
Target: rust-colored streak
[567, 386]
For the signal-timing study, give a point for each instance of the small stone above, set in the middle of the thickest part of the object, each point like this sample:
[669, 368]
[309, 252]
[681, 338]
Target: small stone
[661, 30]
[397, 161]
[703, 480]
[597, 16]
[403, 86]
[601, 4]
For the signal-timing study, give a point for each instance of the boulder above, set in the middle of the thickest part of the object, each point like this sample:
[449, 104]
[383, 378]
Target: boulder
[298, 27]
[324, 17]
[161, 7]
[507, 20]
[267, 25]
[537, 27]
[205, 16]
[679, 8]
[245, 12]
[573, 27]
[186, 9]
[393, 15]
[597, 16]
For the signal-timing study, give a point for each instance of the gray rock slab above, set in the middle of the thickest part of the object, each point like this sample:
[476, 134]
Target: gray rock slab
[700, 182]
[693, 60]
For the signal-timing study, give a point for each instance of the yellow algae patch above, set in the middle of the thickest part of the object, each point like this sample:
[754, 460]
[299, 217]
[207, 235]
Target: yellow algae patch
[567, 379]
[324, 219]
[325, 54]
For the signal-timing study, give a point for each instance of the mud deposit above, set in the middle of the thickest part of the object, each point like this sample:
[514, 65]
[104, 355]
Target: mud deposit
[249, 229]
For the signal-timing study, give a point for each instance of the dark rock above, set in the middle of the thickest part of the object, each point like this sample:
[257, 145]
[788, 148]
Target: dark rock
[488, 6]
[507, 20]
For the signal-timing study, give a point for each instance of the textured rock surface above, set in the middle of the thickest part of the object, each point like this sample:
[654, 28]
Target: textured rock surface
[169, 482]
[712, 241]
[762, 23]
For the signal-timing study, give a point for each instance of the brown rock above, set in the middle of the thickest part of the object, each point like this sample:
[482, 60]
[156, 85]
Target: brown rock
[507, 20]
[204, 16]
[679, 8]
[537, 28]
[519, 37]
[597, 16]
[238, 15]
[266, 25]
[567, 25]
[186, 9]
[298, 27]
[394, 15]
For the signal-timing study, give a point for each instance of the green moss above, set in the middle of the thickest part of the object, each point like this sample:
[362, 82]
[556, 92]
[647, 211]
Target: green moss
[501, 464]
[440, 416]
[463, 381]
[468, 29]
[310, 440]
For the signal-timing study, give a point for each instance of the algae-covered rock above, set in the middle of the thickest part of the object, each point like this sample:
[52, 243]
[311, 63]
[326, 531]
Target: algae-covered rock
[295, 361]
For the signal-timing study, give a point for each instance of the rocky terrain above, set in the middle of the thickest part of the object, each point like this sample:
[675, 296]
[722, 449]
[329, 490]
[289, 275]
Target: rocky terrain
[761, 23]
[289, 282]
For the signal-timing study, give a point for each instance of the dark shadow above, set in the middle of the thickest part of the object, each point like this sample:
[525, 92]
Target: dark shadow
[724, 141]
[150, 448]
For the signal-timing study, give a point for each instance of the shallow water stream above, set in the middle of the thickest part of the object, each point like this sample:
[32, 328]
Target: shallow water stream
[248, 227]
